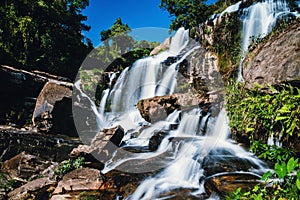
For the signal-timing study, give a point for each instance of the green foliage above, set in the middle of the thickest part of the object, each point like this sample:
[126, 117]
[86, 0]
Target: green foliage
[117, 38]
[271, 152]
[43, 35]
[69, 165]
[221, 5]
[88, 196]
[261, 115]
[285, 184]
[191, 13]
[227, 40]
[186, 13]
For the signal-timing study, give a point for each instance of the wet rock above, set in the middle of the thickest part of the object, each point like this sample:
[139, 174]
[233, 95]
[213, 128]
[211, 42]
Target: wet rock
[83, 179]
[282, 65]
[170, 60]
[53, 109]
[224, 183]
[162, 47]
[214, 164]
[84, 117]
[101, 147]
[37, 189]
[182, 193]
[156, 139]
[158, 108]
[121, 184]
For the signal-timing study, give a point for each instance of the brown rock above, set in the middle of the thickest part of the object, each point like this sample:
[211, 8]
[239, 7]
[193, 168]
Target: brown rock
[53, 109]
[224, 183]
[162, 47]
[102, 146]
[19, 91]
[276, 61]
[83, 179]
[25, 166]
[158, 108]
[36, 189]
[43, 147]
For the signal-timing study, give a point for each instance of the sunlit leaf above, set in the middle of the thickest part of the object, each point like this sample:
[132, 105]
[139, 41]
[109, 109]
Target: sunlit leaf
[280, 170]
[292, 164]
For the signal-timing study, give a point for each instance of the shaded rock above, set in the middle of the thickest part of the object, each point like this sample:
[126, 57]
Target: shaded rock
[224, 183]
[83, 179]
[84, 117]
[45, 147]
[25, 166]
[225, 163]
[156, 139]
[19, 91]
[36, 189]
[121, 184]
[162, 47]
[158, 108]
[53, 109]
[282, 65]
[182, 193]
[101, 147]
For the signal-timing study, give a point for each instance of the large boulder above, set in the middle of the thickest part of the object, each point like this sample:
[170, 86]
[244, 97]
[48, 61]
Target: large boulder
[224, 183]
[46, 147]
[36, 189]
[101, 147]
[25, 166]
[53, 109]
[82, 179]
[19, 90]
[158, 108]
[283, 59]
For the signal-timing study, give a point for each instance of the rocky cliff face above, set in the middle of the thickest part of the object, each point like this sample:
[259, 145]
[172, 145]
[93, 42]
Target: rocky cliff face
[276, 60]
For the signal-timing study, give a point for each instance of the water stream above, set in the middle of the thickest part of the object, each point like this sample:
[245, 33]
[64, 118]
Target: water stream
[258, 20]
[180, 159]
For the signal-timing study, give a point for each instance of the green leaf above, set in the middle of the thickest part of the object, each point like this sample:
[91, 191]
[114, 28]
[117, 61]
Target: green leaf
[298, 184]
[281, 170]
[266, 176]
[292, 164]
[298, 174]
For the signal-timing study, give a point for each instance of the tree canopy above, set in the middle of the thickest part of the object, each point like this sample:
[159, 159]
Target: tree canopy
[191, 13]
[186, 13]
[44, 35]
[119, 49]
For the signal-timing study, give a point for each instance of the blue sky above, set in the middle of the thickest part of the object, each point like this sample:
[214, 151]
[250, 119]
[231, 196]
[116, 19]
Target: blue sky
[138, 14]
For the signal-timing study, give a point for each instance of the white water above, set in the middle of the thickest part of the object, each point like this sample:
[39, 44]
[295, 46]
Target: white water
[258, 20]
[185, 171]
[147, 78]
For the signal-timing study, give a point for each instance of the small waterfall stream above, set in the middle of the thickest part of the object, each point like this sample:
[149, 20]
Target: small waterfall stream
[180, 161]
[258, 20]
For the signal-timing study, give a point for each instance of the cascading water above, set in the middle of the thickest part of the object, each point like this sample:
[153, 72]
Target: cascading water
[184, 151]
[258, 20]
[186, 169]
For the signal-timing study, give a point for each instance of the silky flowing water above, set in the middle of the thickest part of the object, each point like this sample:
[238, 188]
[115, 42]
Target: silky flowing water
[198, 134]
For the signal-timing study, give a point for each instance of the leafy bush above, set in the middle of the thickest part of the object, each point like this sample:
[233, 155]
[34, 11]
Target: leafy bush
[261, 115]
[284, 183]
[69, 165]
[271, 152]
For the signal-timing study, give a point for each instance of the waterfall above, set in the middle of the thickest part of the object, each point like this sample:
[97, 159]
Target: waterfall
[258, 20]
[186, 169]
[180, 160]
[106, 92]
